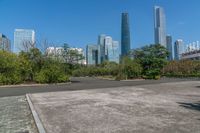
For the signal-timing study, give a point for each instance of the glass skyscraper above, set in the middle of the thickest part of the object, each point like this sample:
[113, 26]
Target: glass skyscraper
[113, 52]
[105, 50]
[108, 46]
[178, 49]
[125, 35]
[159, 26]
[169, 47]
[92, 54]
[4, 43]
[22, 38]
[101, 42]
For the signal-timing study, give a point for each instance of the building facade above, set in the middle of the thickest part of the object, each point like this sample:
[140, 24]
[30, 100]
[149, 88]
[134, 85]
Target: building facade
[106, 50]
[108, 46]
[159, 26]
[178, 49]
[113, 52]
[101, 42]
[192, 51]
[24, 39]
[92, 54]
[58, 53]
[125, 35]
[169, 47]
[4, 43]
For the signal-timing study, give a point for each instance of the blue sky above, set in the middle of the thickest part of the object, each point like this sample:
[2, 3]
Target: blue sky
[79, 22]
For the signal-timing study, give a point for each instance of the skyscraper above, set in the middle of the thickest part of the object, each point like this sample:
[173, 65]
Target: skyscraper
[23, 38]
[108, 45]
[169, 47]
[113, 52]
[92, 54]
[159, 26]
[4, 43]
[101, 42]
[178, 49]
[106, 50]
[125, 35]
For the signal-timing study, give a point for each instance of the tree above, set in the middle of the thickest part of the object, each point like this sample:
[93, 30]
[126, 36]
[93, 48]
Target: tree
[152, 58]
[71, 56]
[33, 61]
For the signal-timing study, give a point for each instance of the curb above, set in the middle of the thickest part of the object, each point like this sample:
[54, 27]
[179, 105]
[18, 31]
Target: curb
[38, 123]
[32, 85]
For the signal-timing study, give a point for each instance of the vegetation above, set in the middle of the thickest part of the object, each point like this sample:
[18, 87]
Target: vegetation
[152, 58]
[30, 66]
[148, 62]
[184, 68]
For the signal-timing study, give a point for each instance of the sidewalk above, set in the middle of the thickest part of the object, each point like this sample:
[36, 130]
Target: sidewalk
[15, 116]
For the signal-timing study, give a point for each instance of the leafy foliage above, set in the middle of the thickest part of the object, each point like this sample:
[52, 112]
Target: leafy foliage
[51, 72]
[9, 68]
[152, 58]
[31, 66]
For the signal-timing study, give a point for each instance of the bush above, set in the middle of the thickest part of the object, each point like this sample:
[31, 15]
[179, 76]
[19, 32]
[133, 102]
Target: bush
[52, 72]
[9, 69]
[183, 68]
[129, 69]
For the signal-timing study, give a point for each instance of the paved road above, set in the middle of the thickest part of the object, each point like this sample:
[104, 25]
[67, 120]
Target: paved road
[79, 84]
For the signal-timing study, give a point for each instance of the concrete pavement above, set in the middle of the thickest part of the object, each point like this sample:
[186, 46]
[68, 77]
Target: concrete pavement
[152, 108]
[15, 116]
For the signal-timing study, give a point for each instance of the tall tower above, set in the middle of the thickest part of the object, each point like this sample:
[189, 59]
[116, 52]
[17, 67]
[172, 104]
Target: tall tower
[125, 35]
[169, 47]
[178, 49]
[159, 26]
[101, 43]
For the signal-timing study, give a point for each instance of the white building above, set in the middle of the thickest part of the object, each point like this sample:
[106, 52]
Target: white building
[58, 52]
[192, 51]
[23, 40]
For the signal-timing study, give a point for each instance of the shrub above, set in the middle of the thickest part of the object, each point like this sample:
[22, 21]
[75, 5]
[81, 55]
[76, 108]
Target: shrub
[9, 68]
[51, 72]
[183, 68]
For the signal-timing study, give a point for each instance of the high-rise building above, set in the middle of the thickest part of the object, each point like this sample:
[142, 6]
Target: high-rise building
[178, 49]
[23, 40]
[169, 47]
[105, 50]
[113, 52]
[101, 42]
[92, 54]
[4, 43]
[159, 26]
[108, 46]
[125, 35]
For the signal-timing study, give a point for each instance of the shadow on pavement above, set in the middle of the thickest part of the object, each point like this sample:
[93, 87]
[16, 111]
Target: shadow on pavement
[192, 106]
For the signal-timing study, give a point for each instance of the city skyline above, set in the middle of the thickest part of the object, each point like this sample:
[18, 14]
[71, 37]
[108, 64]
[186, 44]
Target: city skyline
[46, 20]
